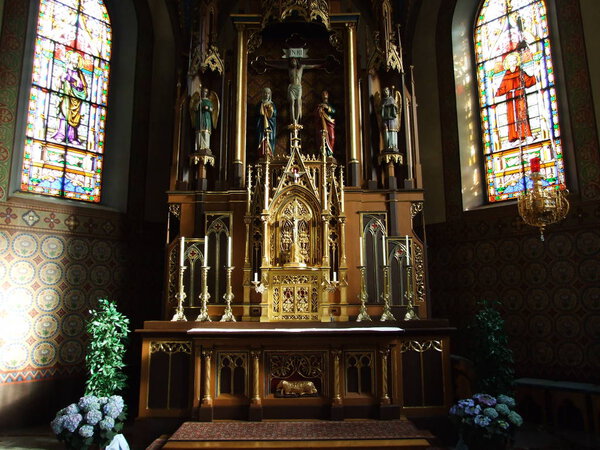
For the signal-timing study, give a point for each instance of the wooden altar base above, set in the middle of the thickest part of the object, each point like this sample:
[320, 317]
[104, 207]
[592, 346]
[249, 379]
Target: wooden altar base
[356, 434]
[294, 371]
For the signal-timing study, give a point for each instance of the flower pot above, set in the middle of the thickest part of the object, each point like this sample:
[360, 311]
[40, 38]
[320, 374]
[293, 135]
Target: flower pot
[477, 441]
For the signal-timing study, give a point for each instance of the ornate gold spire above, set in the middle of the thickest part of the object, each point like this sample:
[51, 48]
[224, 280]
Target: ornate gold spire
[308, 10]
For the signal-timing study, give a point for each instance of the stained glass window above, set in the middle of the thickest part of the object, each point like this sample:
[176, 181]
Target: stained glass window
[517, 97]
[66, 117]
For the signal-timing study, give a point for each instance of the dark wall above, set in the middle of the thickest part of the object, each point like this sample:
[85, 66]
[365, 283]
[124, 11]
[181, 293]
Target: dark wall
[549, 290]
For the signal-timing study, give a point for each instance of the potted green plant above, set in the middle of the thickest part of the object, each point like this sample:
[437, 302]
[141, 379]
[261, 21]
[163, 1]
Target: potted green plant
[98, 418]
[489, 351]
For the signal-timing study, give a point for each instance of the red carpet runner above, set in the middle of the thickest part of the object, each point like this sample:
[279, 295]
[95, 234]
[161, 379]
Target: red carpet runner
[298, 431]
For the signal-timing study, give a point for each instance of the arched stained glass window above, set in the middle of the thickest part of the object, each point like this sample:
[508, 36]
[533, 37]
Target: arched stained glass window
[66, 117]
[517, 96]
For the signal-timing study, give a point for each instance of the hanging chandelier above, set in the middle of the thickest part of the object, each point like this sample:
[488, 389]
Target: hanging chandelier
[539, 206]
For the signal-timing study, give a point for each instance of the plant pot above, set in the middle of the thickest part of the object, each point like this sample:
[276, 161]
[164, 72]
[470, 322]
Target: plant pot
[477, 441]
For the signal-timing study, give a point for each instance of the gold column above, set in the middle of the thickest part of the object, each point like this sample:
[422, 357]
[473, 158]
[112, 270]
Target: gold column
[255, 378]
[354, 141]
[385, 399]
[337, 398]
[206, 398]
[239, 159]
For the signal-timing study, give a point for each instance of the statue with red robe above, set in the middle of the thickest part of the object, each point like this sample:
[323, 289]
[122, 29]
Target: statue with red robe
[326, 124]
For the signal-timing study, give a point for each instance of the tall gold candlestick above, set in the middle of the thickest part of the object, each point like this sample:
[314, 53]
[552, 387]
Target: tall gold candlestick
[410, 311]
[179, 316]
[228, 296]
[387, 313]
[363, 315]
[204, 297]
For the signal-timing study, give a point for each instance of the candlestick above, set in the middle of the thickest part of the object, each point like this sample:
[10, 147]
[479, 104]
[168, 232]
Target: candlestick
[384, 250]
[407, 251]
[204, 296]
[387, 312]
[228, 296]
[179, 315]
[411, 314]
[206, 251]
[181, 251]
[363, 315]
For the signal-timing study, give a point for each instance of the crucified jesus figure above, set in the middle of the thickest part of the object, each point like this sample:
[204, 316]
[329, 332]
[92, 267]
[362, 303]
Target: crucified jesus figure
[295, 87]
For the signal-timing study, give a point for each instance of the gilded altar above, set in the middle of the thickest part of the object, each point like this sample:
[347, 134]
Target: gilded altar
[296, 204]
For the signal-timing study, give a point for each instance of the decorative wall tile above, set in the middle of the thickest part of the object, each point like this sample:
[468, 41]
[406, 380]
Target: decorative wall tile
[49, 283]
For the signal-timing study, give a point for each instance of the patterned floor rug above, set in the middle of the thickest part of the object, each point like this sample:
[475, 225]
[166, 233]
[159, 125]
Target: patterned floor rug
[298, 431]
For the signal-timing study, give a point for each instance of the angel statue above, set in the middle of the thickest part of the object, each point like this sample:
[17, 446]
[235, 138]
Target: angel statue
[391, 108]
[204, 112]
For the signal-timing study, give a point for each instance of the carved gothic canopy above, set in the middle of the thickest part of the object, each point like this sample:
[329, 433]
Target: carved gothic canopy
[308, 10]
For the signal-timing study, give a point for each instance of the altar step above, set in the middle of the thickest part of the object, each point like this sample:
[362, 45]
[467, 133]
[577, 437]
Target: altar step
[354, 434]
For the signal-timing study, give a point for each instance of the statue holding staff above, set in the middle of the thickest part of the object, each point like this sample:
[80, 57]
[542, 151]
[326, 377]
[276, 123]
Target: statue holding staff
[391, 108]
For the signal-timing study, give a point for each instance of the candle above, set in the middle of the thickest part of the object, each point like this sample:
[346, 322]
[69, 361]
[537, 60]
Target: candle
[334, 276]
[256, 277]
[229, 251]
[361, 250]
[181, 251]
[384, 250]
[535, 164]
[407, 251]
[205, 251]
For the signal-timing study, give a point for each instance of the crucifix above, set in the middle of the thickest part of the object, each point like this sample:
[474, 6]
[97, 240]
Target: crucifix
[297, 62]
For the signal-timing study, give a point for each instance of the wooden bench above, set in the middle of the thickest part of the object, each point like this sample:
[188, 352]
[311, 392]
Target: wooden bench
[562, 403]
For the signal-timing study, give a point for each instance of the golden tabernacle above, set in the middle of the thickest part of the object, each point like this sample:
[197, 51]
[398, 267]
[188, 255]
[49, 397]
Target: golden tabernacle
[296, 256]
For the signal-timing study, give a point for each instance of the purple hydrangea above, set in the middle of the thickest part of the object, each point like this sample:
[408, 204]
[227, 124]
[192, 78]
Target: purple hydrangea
[482, 421]
[466, 402]
[86, 431]
[107, 423]
[506, 400]
[117, 400]
[57, 424]
[485, 399]
[89, 403]
[515, 418]
[473, 410]
[502, 409]
[71, 409]
[490, 412]
[103, 400]
[72, 421]
[456, 411]
[112, 410]
[93, 417]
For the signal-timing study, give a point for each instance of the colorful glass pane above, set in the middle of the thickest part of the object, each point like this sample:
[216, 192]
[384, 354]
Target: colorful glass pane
[519, 114]
[64, 136]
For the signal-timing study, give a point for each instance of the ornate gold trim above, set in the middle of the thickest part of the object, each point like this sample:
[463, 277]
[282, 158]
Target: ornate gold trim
[415, 208]
[419, 267]
[171, 347]
[421, 347]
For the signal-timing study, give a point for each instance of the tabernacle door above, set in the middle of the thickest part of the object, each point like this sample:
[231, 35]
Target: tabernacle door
[294, 295]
